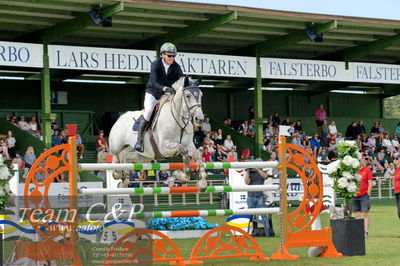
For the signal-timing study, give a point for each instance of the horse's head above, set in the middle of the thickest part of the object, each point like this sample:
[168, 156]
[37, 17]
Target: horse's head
[191, 95]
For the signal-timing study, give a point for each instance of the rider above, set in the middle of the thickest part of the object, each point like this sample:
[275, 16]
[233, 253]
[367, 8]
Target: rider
[164, 72]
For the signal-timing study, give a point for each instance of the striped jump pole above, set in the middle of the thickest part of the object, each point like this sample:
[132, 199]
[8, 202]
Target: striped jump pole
[198, 213]
[175, 190]
[174, 166]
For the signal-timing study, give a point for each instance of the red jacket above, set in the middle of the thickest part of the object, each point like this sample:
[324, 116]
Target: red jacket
[366, 175]
[397, 181]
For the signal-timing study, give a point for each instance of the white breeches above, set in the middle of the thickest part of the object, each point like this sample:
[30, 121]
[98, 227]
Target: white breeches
[149, 104]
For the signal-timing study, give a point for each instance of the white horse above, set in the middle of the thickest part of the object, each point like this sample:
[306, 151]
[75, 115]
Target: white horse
[173, 132]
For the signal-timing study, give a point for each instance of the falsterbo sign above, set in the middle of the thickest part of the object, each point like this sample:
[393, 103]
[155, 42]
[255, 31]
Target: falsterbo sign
[139, 61]
[278, 68]
[105, 59]
[21, 54]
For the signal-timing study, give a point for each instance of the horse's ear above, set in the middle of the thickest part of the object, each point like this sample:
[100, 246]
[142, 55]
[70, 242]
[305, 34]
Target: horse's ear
[199, 80]
[186, 83]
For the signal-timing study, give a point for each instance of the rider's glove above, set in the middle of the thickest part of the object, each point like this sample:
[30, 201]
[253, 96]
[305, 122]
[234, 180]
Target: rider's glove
[169, 90]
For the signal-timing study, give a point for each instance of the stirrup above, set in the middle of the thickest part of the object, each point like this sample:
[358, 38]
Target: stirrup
[139, 148]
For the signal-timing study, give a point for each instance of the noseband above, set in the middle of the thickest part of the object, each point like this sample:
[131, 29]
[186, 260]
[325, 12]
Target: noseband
[183, 121]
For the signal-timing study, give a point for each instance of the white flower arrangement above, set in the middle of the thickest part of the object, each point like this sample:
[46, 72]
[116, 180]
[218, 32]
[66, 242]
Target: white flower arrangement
[344, 172]
[5, 190]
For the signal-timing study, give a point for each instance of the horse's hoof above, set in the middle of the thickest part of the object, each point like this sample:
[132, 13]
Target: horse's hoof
[116, 175]
[202, 185]
[184, 178]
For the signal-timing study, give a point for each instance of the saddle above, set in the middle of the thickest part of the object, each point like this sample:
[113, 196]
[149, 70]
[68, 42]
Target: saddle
[153, 119]
[151, 124]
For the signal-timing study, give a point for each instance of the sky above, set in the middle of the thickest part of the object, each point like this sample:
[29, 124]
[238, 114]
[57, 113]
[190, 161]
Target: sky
[382, 9]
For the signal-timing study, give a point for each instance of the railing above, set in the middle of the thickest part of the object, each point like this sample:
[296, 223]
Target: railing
[383, 188]
[200, 198]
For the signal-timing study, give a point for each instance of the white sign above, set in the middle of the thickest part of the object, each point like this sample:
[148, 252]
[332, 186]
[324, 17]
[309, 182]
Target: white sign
[276, 68]
[375, 73]
[21, 54]
[107, 59]
[58, 194]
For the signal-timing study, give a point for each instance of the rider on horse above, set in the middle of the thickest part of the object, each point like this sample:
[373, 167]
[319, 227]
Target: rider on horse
[164, 72]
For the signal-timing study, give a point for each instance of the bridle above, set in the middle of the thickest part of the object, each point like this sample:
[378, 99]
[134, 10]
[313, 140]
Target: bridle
[183, 120]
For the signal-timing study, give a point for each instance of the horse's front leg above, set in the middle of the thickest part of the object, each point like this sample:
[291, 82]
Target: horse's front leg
[202, 172]
[174, 147]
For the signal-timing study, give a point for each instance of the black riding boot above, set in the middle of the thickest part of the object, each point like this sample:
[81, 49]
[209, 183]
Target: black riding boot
[139, 142]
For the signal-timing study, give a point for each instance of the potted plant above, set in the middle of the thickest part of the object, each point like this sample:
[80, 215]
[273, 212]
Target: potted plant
[5, 193]
[347, 233]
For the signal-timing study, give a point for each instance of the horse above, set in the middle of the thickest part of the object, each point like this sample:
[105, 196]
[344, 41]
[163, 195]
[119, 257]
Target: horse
[173, 131]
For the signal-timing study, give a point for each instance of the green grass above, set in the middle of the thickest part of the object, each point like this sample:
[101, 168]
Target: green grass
[382, 246]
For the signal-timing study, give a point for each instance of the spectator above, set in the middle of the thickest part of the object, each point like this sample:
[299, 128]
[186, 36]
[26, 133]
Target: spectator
[364, 142]
[251, 112]
[205, 126]
[269, 129]
[397, 130]
[390, 172]
[207, 138]
[315, 145]
[55, 138]
[228, 143]
[395, 141]
[387, 145]
[332, 128]
[244, 128]
[396, 183]
[332, 156]
[219, 139]
[362, 201]
[7, 118]
[162, 176]
[358, 142]
[102, 155]
[34, 127]
[54, 125]
[323, 156]
[63, 137]
[252, 126]
[380, 156]
[360, 128]
[228, 122]
[101, 141]
[324, 129]
[331, 139]
[375, 128]
[22, 124]
[381, 129]
[232, 155]
[297, 141]
[11, 144]
[351, 131]
[206, 155]
[134, 179]
[220, 156]
[255, 176]
[79, 145]
[306, 142]
[14, 121]
[29, 157]
[4, 149]
[298, 127]
[291, 129]
[320, 116]
[276, 121]
[371, 141]
[339, 138]
[286, 122]
[18, 161]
